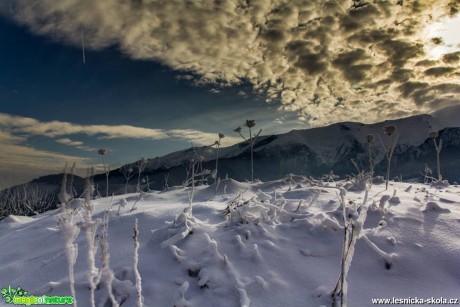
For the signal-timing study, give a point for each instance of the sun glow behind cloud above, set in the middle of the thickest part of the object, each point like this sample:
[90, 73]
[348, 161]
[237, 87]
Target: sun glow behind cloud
[330, 61]
[322, 61]
[447, 30]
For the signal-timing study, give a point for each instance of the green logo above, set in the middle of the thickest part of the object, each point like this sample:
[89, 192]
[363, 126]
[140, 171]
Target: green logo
[9, 293]
[18, 296]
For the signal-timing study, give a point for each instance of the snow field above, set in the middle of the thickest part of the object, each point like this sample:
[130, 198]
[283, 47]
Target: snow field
[276, 243]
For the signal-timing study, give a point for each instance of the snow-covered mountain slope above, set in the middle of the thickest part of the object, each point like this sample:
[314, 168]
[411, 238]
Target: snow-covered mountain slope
[313, 152]
[317, 151]
[279, 244]
[327, 142]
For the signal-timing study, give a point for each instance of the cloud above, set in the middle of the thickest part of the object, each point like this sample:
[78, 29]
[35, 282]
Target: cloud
[307, 54]
[21, 162]
[7, 137]
[15, 154]
[30, 126]
[76, 144]
[453, 57]
[69, 142]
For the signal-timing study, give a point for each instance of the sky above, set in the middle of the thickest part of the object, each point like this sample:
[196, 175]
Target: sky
[143, 78]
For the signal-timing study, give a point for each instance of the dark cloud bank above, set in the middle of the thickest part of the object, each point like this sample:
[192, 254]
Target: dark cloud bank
[328, 60]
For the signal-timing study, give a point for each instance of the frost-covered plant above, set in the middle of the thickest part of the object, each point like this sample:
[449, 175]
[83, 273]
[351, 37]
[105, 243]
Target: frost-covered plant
[189, 174]
[200, 171]
[128, 173]
[136, 261]
[63, 196]
[70, 232]
[148, 183]
[438, 146]
[103, 152]
[389, 149]
[250, 123]
[139, 198]
[89, 226]
[122, 204]
[427, 174]
[166, 176]
[217, 144]
[72, 173]
[360, 182]
[195, 172]
[192, 162]
[329, 177]
[106, 272]
[354, 218]
[233, 204]
[26, 199]
[179, 229]
[352, 224]
[141, 165]
[369, 140]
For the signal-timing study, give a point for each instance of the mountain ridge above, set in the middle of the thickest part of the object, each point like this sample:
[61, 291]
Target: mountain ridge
[311, 152]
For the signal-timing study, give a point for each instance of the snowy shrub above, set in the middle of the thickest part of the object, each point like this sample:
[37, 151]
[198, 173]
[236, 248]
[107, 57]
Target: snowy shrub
[128, 173]
[353, 225]
[438, 146]
[89, 226]
[166, 177]
[103, 152]
[25, 200]
[427, 174]
[369, 140]
[72, 173]
[69, 232]
[440, 184]
[262, 209]
[192, 192]
[263, 197]
[177, 230]
[202, 174]
[389, 149]
[217, 144]
[63, 196]
[106, 275]
[122, 204]
[139, 198]
[251, 141]
[360, 182]
[383, 200]
[330, 177]
[353, 220]
[195, 173]
[141, 165]
[232, 204]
